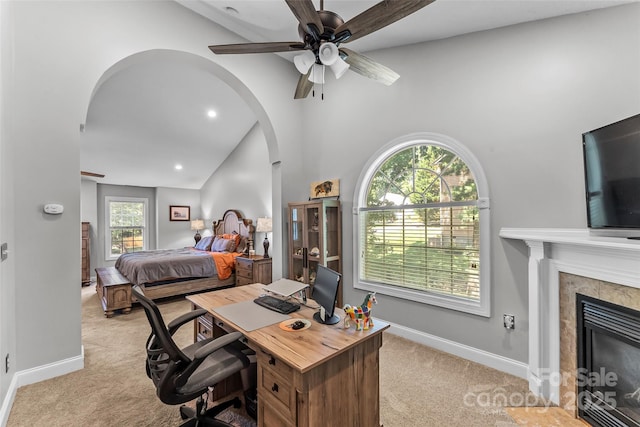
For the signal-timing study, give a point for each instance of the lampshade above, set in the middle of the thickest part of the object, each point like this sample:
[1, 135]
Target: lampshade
[304, 61]
[197, 224]
[328, 53]
[317, 74]
[339, 68]
[330, 56]
[264, 225]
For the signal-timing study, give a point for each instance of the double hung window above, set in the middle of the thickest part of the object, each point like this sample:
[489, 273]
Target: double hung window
[126, 230]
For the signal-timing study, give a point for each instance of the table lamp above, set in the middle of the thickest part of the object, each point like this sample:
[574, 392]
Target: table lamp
[264, 226]
[197, 224]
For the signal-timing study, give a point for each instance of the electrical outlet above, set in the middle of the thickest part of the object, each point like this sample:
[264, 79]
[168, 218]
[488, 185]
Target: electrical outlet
[509, 321]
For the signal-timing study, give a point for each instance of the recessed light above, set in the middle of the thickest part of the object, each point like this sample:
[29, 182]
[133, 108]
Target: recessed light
[211, 113]
[178, 167]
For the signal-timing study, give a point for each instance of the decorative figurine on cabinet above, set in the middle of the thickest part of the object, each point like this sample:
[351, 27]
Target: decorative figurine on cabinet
[361, 315]
[353, 314]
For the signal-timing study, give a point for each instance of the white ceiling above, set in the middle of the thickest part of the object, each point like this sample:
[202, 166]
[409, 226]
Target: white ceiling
[151, 115]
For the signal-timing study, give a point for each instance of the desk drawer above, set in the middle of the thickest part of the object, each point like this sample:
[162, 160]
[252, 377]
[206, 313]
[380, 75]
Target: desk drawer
[270, 416]
[204, 328]
[275, 384]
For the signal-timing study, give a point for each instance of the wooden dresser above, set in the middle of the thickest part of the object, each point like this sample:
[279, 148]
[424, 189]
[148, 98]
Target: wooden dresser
[253, 269]
[85, 269]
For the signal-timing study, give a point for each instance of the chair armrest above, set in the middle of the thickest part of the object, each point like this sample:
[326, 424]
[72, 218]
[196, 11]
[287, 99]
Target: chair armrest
[181, 320]
[217, 344]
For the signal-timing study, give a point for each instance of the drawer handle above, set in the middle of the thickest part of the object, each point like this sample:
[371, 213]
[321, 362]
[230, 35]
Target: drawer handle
[274, 388]
[272, 361]
[221, 324]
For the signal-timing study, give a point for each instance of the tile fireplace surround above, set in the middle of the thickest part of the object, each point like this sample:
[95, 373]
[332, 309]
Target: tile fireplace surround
[561, 263]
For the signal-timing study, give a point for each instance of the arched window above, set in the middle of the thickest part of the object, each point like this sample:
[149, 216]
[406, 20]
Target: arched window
[422, 219]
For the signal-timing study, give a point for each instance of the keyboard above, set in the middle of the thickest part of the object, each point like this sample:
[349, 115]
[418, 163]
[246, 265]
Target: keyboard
[276, 304]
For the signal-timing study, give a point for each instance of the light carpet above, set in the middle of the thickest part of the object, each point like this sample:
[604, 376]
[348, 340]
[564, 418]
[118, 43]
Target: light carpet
[419, 386]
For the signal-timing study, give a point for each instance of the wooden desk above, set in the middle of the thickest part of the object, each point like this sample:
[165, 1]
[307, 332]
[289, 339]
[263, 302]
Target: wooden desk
[318, 377]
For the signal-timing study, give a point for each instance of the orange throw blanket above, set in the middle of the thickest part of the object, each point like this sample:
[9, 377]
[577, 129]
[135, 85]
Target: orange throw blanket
[224, 263]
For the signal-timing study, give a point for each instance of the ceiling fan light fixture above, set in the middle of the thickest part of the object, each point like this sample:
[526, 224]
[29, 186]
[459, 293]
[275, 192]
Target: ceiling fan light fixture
[330, 56]
[328, 53]
[339, 68]
[304, 61]
[317, 74]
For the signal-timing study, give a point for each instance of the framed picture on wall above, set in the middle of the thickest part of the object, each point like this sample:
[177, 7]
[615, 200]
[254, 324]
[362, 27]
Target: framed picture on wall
[322, 189]
[179, 213]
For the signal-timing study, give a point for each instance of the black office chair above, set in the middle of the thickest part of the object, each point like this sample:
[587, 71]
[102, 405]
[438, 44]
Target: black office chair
[182, 375]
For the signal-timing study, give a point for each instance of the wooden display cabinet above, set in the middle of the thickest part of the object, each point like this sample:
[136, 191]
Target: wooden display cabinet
[315, 238]
[85, 272]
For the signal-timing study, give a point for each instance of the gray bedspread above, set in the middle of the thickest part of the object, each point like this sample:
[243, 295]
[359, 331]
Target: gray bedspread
[165, 264]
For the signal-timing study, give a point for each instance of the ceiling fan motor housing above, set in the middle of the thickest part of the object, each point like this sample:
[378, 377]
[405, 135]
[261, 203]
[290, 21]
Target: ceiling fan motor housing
[330, 21]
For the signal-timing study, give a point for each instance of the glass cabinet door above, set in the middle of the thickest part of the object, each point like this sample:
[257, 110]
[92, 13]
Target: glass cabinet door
[314, 239]
[296, 244]
[314, 242]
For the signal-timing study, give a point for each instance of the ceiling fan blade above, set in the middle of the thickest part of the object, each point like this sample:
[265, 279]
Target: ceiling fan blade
[92, 174]
[369, 68]
[268, 47]
[306, 14]
[304, 86]
[378, 16]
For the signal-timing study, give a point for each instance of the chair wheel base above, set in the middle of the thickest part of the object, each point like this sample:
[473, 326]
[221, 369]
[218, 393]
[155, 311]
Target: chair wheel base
[186, 412]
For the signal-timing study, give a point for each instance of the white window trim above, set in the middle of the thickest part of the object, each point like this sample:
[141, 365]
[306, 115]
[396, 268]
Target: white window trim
[107, 222]
[481, 307]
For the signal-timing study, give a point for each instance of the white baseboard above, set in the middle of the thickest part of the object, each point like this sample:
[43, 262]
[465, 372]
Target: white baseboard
[501, 363]
[37, 374]
[7, 403]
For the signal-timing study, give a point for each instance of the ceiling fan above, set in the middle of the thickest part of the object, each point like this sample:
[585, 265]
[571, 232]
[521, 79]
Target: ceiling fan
[323, 32]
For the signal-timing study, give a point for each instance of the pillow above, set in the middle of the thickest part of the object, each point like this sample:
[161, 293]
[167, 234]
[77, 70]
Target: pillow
[235, 237]
[242, 246]
[222, 245]
[205, 243]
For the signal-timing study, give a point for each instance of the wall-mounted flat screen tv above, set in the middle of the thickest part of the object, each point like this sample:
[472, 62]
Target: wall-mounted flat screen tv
[612, 178]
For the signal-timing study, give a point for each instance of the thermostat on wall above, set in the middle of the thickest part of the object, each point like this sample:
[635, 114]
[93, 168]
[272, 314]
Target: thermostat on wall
[53, 208]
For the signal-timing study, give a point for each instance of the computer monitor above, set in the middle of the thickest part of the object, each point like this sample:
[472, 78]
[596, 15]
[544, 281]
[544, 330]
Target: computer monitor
[325, 293]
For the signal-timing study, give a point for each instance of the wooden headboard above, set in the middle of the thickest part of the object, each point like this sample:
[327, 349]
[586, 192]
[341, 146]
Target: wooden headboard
[233, 222]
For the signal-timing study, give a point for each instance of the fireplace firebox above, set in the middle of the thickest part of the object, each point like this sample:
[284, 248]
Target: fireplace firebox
[608, 376]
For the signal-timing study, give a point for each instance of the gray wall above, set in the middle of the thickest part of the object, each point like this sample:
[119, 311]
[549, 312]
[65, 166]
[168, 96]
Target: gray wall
[519, 98]
[243, 182]
[46, 93]
[175, 234]
[7, 219]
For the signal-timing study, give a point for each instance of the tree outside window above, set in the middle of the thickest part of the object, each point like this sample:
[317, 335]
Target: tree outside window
[420, 228]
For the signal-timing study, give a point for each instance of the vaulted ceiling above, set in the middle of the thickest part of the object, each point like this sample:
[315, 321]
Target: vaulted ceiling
[150, 116]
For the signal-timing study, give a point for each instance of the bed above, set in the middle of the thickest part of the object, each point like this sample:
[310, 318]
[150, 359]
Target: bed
[171, 272]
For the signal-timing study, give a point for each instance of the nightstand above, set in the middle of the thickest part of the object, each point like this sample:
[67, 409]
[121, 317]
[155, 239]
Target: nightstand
[253, 269]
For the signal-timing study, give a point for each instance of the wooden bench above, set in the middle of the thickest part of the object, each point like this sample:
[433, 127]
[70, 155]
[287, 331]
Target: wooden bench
[114, 290]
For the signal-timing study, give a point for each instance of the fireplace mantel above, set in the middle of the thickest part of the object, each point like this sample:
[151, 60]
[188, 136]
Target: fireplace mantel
[573, 251]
